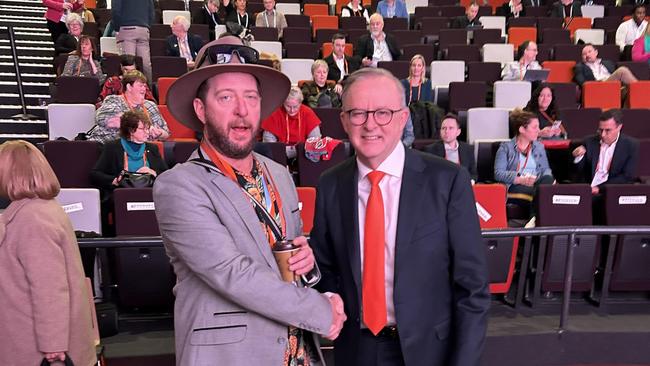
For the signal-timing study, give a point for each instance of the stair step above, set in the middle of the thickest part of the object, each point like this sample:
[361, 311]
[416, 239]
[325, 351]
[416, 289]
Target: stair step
[28, 59]
[40, 78]
[7, 111]
[33, 23]
[31, 3]
[11, 86]
[29, 51]
[30, 99]
[32, 127]
[27, 68]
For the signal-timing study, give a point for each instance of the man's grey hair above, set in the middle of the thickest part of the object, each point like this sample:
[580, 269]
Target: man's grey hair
[372, 72]
[74, 17]
[179, 19]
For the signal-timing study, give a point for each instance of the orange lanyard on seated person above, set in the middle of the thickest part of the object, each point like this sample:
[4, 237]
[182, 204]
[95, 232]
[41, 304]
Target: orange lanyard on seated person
[299, 127]
[229, 172]
[126, 160]
[527, 152]
[411, 91]
[144, 108]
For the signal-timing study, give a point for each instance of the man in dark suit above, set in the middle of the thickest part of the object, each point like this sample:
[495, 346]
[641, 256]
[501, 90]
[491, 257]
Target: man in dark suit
[181, 43]
[397, 235]
[566, 9]
[450, 148]
[593, 68]
[340, 65]
[207, 14]
[513, 9]
[469, 19]
[636, 2]
[530, 3]
[388, 49]
[609, 156]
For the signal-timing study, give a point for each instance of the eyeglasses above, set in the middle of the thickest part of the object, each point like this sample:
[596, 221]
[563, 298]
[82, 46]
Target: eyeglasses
[223, 53]
[382, 116]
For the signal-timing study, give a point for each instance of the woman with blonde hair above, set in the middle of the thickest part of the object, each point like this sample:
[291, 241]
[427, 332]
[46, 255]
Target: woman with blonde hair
[43, 295]
[417, 87]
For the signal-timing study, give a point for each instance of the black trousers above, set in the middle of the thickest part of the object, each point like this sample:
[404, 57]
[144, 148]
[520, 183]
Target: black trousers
[56, 29]
[380, 350]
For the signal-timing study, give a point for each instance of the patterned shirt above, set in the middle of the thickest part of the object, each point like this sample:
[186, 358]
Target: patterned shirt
[76, 67]
[115, 104]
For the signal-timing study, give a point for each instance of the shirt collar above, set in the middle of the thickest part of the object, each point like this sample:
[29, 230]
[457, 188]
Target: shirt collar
[392, 165]
[450, 147]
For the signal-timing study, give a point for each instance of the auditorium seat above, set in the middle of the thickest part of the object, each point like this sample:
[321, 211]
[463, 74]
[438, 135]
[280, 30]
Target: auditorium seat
[297, 69]
[327, 49]
[448, 37]
[610, 52]
[297, 20]
[82, 207]
[77, 175]
[607, 23]
[580, 122]
[309, 172]
[400, 69]
[311, 10]
[561, 71]
[160, 31]
[276, 151]
[169, 66]
[601, 94]
[143, 276]
[593, 11]
[296, 34]
[511, 94]
[486, 151]
[108, 45]
[301, 50]
[323, 22]
[352, 23]
[497, 52]
[68, 120]
[488, 72]
[265, 33]
[169, 15]
[158, 47]
[483, 36]
[494, 22]
[325, 35]
[568, 52]
[555, 36]
[639, 69]
[331, 123]
[522, 22]
[426, 50]
[639, 95]
[501, 253]
[593, 36]
[627, 204]
[487, 124]
[163, 86]
[431, 26]
[544, 22]
[564, 95]
[519, 35]
[466, 95]
[405, 37]
[307, 205]
[288, 8]
[183, 149]
[565, 205]
[76, 90]
[464, 52]
[636, 122]
[273, 47]
[177, 130]
[393, 24]
[577, 23]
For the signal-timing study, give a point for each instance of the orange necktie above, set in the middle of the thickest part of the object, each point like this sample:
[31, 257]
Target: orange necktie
[374, 294]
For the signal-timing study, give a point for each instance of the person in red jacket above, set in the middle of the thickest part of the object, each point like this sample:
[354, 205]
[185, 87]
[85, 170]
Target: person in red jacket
[57, 11]
[291, 123]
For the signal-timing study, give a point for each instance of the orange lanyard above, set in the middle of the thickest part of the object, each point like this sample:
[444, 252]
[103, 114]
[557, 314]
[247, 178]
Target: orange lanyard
[144, 108]
[299, 127]
[126, 160]
[527, 152]
[229, 172]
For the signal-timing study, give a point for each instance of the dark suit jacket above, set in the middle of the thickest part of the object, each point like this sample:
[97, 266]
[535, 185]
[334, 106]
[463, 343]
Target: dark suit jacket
[504, 11]
[463, 22]
[111, 163]
[529, 3]
[634, 2]
[247, 23]
[441, 287]
[465, 152]
[334, 73]
[365, 47]
[582, 72]
[202, 16]
[624, 161]
[66, 43]
[556, 9]
[172, 48]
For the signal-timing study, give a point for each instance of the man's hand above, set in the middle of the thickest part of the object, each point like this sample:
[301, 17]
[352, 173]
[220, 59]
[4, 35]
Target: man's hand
[366, 61]
[526, 180]
[338, 316]
[303, 261]
[579, 151]
[146, 170]
[54, 356]
[338, 89]
[67, 6]
[595, 190]
[114, 122]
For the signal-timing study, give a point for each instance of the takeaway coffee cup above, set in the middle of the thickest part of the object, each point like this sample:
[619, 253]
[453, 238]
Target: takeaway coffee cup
[282, 251]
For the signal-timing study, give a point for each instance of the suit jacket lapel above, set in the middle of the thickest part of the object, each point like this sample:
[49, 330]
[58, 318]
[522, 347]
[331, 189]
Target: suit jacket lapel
[347, 186]
[412, 182]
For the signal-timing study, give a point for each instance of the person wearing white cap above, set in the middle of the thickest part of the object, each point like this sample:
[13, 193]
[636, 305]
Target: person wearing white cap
[222, 211]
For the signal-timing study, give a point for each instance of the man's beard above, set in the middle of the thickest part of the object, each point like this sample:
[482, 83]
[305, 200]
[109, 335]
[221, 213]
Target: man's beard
[218, 137]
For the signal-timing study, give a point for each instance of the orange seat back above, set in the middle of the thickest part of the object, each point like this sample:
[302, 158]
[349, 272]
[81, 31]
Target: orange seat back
[176, 129]
[327, 49]
[307, 204]
[324, 22]
[601, 94]
[577, 23]
[163, 86]
[315, 9]
[639, 94]
[561, 71]
[519, 35]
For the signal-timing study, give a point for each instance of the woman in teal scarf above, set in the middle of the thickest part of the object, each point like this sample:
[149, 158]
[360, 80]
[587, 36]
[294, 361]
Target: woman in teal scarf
[641, 48]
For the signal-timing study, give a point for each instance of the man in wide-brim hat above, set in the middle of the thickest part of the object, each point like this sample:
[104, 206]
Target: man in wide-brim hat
[222, 211]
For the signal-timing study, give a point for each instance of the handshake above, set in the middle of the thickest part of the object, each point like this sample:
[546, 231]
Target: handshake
[338, 316]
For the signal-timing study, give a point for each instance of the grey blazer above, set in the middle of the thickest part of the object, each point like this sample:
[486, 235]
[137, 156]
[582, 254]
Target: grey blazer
[232, 307]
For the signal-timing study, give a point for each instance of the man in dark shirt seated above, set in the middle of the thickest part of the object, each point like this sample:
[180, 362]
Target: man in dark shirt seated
[340, 65]
[566, 9]
[609, 156]
[469, 19]
[451, 149]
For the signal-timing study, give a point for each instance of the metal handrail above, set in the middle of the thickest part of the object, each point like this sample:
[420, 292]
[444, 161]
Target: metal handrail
[21, 93]
[571, 232]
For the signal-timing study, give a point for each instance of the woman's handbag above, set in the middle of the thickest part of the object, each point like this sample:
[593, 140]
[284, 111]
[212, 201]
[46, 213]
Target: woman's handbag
[67, 362]
[136, 180]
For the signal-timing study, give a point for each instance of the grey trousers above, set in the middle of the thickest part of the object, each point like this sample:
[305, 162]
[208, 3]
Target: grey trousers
[134, 40]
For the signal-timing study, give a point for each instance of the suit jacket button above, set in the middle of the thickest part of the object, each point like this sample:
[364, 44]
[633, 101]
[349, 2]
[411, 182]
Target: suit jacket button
[281, 340]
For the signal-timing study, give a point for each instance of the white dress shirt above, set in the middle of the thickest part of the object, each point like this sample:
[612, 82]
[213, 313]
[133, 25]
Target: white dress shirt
[628, 32]
[391, 186]
[604, 162]
[340, 63]
[599, 70]
[381, 51]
